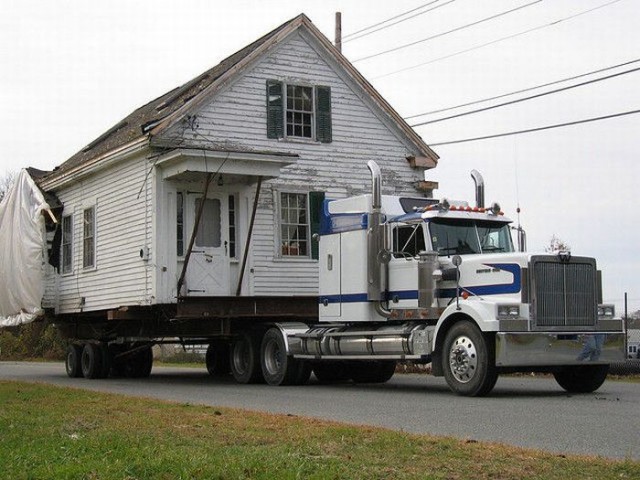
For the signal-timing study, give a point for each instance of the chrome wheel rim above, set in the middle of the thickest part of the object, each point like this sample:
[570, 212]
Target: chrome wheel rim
[463, 359]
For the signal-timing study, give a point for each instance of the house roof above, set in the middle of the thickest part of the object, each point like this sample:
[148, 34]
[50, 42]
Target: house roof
[159, 114]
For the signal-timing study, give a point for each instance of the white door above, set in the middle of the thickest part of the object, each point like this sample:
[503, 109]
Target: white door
[208, 270]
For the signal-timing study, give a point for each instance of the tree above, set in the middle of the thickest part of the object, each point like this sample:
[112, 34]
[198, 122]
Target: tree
[556, 244]
[6, 181]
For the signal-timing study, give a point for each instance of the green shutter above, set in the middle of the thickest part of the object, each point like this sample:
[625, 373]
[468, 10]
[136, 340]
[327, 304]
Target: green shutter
[316, 199]
[323, 114]
[275, 115]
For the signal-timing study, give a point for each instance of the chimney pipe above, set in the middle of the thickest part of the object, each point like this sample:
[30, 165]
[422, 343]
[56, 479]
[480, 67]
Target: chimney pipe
[338, 39]
[479, 181]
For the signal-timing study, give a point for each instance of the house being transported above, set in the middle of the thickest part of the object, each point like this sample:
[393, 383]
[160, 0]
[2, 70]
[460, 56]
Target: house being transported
[248, 149]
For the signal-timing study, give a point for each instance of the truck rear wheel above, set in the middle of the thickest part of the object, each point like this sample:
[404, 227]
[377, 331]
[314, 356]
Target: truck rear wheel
[278, 368]
[332, 371]
[582, 378]
[217, 359]
[468, 360]
[245, 359]
[73, 361]
[372, 371]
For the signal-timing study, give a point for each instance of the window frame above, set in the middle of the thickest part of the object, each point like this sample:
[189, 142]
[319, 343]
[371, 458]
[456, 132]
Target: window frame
[279, 239]
[277, 102]
[92, 237]
[69, 244]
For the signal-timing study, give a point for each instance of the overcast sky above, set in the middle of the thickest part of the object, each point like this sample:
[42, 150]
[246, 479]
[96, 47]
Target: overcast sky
[71, 69]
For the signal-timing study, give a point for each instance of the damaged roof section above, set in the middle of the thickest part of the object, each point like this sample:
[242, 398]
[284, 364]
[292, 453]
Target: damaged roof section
[159, 114]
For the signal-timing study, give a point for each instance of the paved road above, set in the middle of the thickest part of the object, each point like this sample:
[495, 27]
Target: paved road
[528, 412]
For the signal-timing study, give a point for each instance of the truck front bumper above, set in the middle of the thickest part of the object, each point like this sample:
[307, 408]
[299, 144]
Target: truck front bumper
[536, 349]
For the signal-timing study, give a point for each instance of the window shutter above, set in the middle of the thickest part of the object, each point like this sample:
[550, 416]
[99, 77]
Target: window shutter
[323, 114]
[275, 115]
[316, 199]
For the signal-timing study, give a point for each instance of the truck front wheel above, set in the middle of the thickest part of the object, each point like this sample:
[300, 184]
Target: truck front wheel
[468, 362]
[582, 378]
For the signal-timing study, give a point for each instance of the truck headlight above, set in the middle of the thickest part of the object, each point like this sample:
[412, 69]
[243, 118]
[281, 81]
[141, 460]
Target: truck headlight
[508, 311]
[606, 311]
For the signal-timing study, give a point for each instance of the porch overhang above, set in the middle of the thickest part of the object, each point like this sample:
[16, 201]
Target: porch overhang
[183, 163]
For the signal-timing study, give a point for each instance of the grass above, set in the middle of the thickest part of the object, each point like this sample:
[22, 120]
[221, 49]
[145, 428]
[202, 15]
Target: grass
[52, 432]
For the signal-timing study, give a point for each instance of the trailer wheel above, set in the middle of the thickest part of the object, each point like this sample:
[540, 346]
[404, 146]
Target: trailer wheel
[468, 361]
[245, 359]
[139, 364]
[277, 367]
[372, 371]
[73, 361]
[91, 361]
[217, 359]
[582, 378]
[332, 372]
[105, 360]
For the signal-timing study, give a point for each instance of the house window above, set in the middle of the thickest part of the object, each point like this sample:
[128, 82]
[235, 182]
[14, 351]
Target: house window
[298, 111]
[180, 224]
[89, 238]
[67, 244]
[299, 220]
[294, 225]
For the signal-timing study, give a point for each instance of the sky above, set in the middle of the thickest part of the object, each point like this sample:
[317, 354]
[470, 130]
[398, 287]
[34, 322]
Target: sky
[71, 69]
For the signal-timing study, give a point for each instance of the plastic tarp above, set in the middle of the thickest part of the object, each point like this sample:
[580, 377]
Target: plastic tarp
[22, 246]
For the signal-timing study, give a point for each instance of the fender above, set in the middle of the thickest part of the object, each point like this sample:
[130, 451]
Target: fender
[481, 312]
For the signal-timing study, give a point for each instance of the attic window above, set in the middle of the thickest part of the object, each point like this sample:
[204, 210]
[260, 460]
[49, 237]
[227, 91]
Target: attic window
[298, 111]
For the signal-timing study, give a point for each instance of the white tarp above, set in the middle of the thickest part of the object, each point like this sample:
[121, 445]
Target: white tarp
[22, 243]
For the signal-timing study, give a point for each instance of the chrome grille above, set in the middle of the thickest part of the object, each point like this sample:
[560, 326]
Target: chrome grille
[564, 293]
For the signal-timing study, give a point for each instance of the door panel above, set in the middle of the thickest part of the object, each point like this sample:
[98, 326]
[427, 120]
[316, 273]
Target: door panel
[208, 270]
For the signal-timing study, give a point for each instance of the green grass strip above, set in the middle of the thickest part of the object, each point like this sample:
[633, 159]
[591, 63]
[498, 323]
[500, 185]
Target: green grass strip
[49, 432]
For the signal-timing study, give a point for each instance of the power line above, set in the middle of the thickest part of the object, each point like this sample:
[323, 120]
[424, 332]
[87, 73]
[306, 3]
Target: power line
[438, 35]
[400, 21]
[530, 97]
[508, 37]
[389, 19]
[475, 102]
[538, 129]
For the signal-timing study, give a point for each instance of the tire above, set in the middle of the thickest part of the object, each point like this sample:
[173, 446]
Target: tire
[91, 361]
[73, 360]
[106, 360]
[468, 360]
[372, 371]
[245, 359]
[217, 359]
[582, 378]
[277, 367]
[332, 372]
[139, 364]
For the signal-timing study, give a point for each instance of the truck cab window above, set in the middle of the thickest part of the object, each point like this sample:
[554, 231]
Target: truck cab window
[408, 240]
[464, 237]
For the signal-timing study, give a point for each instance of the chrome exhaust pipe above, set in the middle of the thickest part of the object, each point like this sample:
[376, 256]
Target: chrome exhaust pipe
[479, 181]
[376, 275]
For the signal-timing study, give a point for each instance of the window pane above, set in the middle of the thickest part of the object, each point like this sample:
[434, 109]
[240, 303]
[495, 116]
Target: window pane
[209, 229]
[88, 243]
[294, 227]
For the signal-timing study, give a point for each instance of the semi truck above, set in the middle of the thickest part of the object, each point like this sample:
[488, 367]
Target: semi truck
[400, 279]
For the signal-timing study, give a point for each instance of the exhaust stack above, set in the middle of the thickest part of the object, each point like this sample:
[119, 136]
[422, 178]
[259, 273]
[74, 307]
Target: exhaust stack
[479, 181]
[376, 283]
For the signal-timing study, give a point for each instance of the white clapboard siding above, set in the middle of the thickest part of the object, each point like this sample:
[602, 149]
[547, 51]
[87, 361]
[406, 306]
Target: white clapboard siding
[123, 201]
[237, 117]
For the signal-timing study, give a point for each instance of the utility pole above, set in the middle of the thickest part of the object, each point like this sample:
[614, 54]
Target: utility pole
[626, 327]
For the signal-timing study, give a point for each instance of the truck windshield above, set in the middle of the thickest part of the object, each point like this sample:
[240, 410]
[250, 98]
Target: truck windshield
[463, 237]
